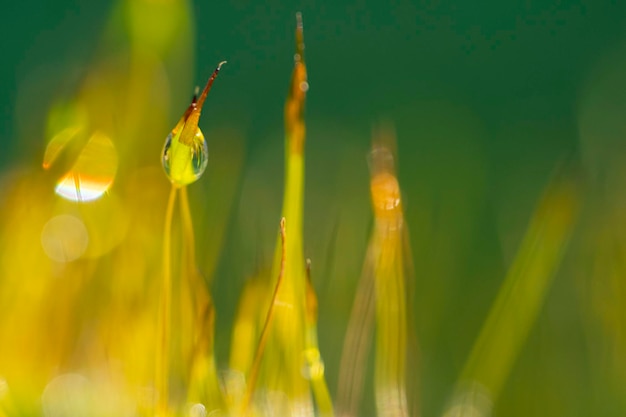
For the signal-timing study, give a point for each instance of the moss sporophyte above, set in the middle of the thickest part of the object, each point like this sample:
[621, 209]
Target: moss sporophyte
[115, 319]
[185, 152]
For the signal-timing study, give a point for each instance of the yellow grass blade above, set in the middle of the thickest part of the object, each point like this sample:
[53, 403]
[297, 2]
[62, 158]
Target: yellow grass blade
[520, 298]
[281, 368]
[382, 294]
[391, 310]
[313, 357]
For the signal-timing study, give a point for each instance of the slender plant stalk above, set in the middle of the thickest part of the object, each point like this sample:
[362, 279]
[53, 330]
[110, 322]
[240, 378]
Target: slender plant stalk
[189, 239]
[164, 326]
[184, 143]
[192, 288]
[391, 336]
[321, 392]
[191, 284]
[295, 131]
[254, 370]
[312, 351]
[381, 293]
[287, 339]
[357, 343]
[204, 384]
[387, 245]
[523, 291]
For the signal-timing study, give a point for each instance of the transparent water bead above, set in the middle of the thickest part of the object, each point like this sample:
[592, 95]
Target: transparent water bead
[185, 153]
[184, 164]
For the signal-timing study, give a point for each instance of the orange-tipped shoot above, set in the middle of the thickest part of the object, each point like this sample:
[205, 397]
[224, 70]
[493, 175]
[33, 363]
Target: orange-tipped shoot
[294, 107]
[185, 153]
[388, 257]
[192, 115]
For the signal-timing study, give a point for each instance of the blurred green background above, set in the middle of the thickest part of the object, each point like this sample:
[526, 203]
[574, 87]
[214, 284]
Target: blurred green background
[487, 98]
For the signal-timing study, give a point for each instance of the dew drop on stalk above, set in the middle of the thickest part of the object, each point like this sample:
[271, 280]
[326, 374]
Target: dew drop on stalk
[191, 161]
[185, 153]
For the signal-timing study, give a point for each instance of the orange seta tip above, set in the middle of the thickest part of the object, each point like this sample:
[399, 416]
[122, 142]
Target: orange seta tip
[192, 114]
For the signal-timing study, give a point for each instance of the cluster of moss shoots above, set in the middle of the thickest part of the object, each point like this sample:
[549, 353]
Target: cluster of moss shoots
[286, 320]
[275, 341]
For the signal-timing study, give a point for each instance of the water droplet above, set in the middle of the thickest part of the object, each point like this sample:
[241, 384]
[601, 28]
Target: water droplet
[184, 164]
[185, 153]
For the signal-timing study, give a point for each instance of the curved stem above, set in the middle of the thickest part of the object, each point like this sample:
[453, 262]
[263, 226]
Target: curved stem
[254, 370]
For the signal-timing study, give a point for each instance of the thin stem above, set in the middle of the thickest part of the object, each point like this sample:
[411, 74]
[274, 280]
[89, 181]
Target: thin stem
[294, 107]
[312, 351]
[190, 284]
[189, 238]
[254, 370]
[164, 326]
[208, 85]
[357, 342]
[192, 115]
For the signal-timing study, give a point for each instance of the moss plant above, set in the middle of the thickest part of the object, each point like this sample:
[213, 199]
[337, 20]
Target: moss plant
[381, 297]
[184, 161]
[63, 301]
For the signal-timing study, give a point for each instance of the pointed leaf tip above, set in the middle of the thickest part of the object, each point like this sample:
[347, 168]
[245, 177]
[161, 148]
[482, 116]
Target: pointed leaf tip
[299, 24]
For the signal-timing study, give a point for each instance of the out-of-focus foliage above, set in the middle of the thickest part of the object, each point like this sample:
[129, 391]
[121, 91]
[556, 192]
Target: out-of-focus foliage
[516, 304]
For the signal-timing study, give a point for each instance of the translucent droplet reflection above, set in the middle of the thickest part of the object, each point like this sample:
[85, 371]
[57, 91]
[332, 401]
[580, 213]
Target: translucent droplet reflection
[64, 238]
[93, 172]
[184, 164]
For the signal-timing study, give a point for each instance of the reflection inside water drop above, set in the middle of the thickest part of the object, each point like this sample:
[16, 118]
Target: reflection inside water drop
[184, 164]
